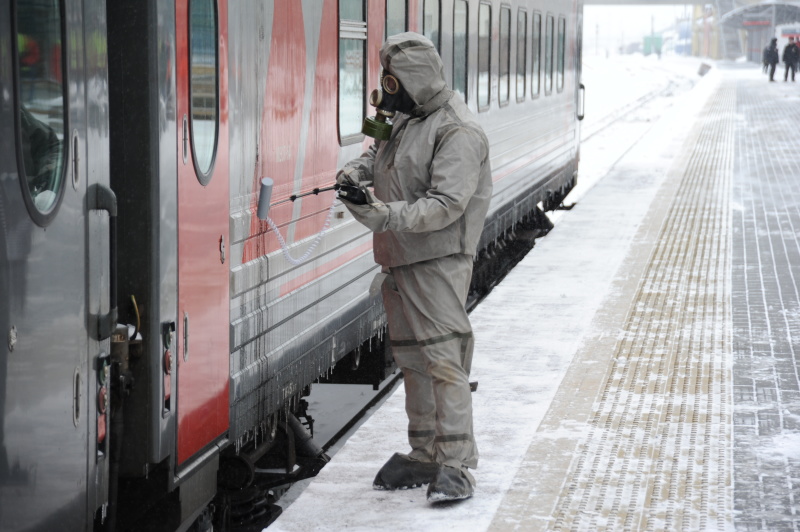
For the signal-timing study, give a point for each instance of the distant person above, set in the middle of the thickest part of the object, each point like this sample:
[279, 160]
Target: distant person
[791, 54]
[772, 57]
[765, 59]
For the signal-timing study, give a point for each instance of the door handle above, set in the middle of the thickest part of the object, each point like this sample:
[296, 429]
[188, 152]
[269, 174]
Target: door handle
[581, 101]
[102, 198]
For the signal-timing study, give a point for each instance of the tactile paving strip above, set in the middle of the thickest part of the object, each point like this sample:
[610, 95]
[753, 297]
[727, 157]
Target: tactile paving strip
[658, 451]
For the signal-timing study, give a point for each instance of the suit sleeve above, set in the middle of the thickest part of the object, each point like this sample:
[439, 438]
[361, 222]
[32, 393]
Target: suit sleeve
[359, 171]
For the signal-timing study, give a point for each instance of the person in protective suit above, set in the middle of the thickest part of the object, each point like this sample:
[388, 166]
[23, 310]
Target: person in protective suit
[432, 186]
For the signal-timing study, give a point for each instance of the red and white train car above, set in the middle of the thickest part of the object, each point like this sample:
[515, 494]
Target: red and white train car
[134, 139]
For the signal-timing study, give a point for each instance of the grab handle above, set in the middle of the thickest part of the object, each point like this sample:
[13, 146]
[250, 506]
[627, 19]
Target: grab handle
[103, 198]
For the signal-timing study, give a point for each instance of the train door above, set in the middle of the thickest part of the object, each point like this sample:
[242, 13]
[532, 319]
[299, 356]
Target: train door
[55, 312]
[203, 214]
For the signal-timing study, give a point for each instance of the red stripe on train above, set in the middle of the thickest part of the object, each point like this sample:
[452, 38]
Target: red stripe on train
[281, 119]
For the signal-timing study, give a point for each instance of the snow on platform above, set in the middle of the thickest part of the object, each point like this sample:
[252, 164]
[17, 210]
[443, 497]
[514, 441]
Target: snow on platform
[603, 357]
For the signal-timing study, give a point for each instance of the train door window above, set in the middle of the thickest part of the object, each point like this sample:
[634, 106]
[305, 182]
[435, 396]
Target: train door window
[548, 55]
[505, 54]
[484, 54]
[352, 64]
[41, 101]
[460, 47]
[431, 27]
[536, 55]
[396, 16]
[203, 83]
[562, 36]
[522, 47]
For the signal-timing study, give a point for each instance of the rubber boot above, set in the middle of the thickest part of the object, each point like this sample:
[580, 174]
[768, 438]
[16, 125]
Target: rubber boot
[403, 472]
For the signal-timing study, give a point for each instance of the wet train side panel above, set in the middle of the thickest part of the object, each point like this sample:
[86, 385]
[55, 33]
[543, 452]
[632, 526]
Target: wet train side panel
[54, 264]
[291, 320]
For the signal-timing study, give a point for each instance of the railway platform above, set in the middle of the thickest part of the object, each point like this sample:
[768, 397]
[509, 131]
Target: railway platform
[638, 370]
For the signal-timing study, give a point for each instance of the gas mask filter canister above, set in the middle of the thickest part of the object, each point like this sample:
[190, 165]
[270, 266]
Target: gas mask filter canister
[387, 100]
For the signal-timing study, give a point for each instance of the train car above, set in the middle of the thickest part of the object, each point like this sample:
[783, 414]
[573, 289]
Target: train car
[158, 335]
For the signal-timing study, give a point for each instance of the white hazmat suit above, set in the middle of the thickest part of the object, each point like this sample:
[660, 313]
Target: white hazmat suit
[432, 186]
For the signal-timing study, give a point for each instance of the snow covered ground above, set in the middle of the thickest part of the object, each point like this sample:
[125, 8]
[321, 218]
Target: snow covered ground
[530, 327]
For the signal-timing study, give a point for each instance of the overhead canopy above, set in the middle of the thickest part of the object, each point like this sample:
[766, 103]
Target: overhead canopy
[762, 14]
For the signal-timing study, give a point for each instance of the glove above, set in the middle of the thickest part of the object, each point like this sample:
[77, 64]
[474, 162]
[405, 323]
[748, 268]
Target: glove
[373, 213]
[348, 176]
[353, 194]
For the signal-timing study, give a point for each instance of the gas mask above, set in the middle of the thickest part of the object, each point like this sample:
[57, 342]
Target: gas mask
[388, 99]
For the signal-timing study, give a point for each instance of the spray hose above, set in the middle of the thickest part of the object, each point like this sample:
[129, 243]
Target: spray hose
[317, 239]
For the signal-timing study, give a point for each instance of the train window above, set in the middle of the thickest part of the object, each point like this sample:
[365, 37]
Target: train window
[505, 54]
[351, 10]
[460, 47]
[396, 16]
[41, 100]
[548, 55]
[522, 47]
[562, 36]
[203, 91]
[536, 55]
[352, 62]
[484, 53]
[431, 26]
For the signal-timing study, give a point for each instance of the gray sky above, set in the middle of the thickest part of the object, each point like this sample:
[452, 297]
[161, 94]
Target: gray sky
[608, 26]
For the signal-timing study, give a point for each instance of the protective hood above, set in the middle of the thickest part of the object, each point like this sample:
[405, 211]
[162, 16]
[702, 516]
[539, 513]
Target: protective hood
[412, 58]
